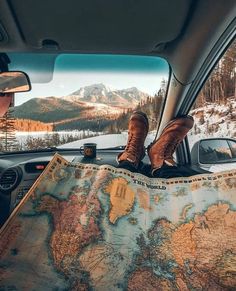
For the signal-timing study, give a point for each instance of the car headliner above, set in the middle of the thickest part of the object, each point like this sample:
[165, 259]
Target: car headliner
[177, 30]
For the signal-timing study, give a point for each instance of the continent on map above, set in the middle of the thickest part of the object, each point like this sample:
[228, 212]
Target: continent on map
[121, 198]
[144, 279]
[186, 210]
[143, 199]
[199, 255]
[74, 226]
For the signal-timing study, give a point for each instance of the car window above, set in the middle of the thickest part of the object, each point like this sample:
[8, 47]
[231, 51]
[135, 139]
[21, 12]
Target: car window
[214, 110]
[75, 97]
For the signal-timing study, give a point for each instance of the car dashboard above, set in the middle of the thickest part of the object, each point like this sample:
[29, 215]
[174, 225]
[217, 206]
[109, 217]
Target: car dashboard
[19, 171]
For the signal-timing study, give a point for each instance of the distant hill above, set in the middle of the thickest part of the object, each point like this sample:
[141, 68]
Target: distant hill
[58, 110]
[48, 109]
[100, 93]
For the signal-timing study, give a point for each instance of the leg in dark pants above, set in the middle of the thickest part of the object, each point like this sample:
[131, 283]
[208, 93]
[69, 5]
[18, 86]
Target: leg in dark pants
[127, 166]
[172, 172]
[164, 172]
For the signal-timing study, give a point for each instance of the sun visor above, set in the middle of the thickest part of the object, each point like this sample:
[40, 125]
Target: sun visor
[28, 62]
[102, 26]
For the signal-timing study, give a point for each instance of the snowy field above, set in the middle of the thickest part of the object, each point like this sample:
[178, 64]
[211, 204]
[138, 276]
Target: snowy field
[213, 121]
[22, 137]
[103, 141]
[108, 140]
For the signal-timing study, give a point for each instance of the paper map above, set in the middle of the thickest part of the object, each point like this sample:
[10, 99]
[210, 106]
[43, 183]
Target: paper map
[89, 227]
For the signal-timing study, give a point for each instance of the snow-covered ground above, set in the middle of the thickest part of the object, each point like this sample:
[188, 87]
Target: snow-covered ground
[100, 108]
[108, 140]
[103, 141]
[22, 136]
[213, 120]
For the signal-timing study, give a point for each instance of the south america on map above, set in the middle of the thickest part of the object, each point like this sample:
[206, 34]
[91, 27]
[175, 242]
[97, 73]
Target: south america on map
[89, 227]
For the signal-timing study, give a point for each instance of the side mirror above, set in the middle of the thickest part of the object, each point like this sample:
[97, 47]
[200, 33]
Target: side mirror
[212, 151]
[13, 82]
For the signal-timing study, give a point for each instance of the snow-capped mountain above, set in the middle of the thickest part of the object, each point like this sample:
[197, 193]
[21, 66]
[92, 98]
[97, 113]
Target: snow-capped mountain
[100, 93]
[92, 90]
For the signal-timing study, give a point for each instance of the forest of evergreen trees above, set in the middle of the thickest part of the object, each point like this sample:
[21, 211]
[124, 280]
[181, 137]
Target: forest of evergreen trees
[221, 84]
[8, 141]
[151, 106]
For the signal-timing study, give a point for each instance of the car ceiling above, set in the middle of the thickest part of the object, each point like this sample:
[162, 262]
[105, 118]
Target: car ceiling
[100, 25]
[179, 30]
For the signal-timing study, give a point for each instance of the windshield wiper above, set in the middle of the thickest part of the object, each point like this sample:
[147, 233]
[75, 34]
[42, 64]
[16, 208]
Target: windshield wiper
[43, 150]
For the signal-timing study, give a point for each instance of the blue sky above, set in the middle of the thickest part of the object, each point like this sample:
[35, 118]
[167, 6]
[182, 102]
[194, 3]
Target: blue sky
[61, 75]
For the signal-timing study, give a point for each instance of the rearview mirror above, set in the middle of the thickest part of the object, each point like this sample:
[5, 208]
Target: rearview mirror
[214, 151]
[13, 82]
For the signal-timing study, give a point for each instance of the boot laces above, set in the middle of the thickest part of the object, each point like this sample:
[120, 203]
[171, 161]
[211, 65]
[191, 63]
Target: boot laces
[166, 150]
[134, 146]
[169, 149]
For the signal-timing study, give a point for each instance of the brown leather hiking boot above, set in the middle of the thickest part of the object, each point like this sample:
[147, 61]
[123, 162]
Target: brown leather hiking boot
[161, 151]
[137, 131]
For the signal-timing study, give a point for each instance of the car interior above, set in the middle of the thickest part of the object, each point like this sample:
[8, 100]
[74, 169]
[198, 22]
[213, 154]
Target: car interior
[189, 35]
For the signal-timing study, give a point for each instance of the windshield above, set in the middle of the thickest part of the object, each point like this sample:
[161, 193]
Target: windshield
[76, 98]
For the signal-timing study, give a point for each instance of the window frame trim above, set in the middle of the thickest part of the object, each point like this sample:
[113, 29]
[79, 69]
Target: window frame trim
[183, 151]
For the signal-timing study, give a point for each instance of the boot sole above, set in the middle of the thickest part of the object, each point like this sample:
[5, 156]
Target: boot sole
[117, 157]
[172, 121]
[167, 126]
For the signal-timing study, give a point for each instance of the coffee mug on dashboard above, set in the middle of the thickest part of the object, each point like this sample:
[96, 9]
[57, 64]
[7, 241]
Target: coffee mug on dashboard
[89, 150]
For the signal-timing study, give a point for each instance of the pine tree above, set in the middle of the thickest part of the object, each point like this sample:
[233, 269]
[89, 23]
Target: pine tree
[8, 132]
[221, 84]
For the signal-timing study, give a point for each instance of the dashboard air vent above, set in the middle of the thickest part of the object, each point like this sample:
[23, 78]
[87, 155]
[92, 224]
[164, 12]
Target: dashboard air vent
[8, 179]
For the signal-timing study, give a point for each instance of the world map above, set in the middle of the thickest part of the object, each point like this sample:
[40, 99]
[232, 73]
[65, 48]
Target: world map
[89, 227]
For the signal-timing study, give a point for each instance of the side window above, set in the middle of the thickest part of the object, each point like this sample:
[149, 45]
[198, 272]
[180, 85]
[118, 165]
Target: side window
[214, 110]
[232, 145]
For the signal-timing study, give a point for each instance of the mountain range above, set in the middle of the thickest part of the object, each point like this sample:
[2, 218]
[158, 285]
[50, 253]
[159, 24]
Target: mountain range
[100, 93]
[91, 101]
